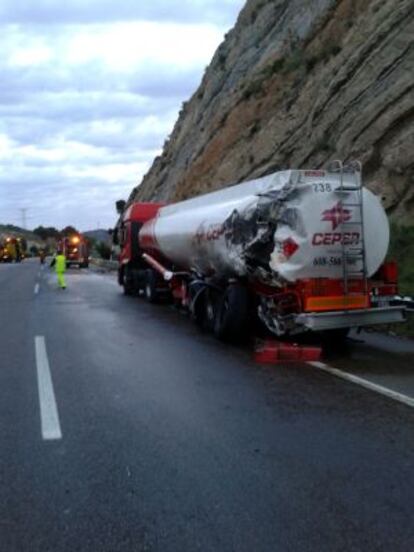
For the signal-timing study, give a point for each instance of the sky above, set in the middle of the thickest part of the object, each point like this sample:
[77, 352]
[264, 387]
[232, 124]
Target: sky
[89, 92]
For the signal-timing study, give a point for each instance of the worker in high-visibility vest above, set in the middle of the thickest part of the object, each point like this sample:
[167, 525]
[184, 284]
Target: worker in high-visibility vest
[59, 262]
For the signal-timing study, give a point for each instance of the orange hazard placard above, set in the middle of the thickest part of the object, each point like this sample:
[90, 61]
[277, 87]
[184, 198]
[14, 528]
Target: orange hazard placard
[336, 302]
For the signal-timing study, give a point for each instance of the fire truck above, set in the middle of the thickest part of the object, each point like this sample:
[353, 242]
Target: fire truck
[11, 250]
[76, 250]
[297, 250]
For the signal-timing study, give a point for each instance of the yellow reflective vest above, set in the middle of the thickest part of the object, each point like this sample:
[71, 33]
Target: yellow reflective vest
[60, 264]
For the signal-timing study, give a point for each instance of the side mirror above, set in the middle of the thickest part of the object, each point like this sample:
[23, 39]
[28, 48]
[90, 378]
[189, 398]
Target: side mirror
[120, 206]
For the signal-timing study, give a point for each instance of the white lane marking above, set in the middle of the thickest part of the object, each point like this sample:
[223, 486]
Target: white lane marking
[36, 289]
[405, 399]
[49, 416]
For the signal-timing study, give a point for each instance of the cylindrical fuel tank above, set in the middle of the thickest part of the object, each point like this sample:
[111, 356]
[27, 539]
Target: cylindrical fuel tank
[286, 226]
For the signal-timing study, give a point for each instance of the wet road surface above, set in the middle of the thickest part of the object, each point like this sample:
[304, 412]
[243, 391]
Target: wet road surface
[169, 440]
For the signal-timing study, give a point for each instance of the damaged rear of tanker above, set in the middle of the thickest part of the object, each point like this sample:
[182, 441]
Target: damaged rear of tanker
[299, 250]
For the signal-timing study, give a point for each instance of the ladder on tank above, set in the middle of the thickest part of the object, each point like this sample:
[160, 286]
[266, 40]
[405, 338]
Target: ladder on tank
[351, 194]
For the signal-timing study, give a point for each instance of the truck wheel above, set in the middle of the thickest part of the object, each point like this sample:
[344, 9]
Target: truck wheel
[197, 303]
[127, 282]
[150, 289]
[120, 276]
[140, 281]
[232, 316]
[207, 310]
[203, 308]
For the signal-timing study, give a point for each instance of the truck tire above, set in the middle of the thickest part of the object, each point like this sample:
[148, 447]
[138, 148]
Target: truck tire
[232, 315]
[206, 310]
[150, 289]
[197, 303]
[127, 282]
[121, 276]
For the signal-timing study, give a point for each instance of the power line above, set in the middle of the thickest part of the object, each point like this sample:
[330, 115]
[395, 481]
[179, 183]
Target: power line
[24, 220]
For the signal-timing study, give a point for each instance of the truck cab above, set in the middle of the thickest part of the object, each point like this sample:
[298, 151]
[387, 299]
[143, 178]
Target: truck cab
[132, 268]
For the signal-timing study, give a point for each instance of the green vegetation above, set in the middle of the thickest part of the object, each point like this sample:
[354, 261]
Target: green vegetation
[51, 232]
[295, 61]
[254, 88]
[47, 232]
[254, 128]
[324, 143]
[68, 231]
[331, 49]
[402, 250]
[26, 235]
[103, 250]
[255, 12]
[221, 59]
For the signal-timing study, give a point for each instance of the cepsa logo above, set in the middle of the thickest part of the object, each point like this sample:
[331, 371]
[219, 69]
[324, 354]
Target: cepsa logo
[209, 233]
[336, 216]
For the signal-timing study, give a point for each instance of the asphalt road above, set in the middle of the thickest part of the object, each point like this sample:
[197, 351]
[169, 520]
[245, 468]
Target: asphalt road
[153, 436]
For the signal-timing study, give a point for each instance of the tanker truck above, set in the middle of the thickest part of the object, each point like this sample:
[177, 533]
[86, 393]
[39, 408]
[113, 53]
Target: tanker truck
[297, 250]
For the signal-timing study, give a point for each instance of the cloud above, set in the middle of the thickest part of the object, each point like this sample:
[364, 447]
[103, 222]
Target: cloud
[90, 91]
[222, 12]
[119, 47]
[57, 197]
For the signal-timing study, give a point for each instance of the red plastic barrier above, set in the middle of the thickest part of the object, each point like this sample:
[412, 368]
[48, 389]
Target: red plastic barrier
[274, 352]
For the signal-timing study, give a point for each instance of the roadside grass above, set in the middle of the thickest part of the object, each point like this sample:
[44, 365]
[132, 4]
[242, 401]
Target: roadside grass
[402, 250]
[405, 329]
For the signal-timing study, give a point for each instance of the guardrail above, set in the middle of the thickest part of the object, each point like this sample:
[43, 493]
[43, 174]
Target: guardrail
[104, 264]
[407, 302]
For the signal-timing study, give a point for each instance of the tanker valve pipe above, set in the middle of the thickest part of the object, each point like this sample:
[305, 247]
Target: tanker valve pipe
[168, 275]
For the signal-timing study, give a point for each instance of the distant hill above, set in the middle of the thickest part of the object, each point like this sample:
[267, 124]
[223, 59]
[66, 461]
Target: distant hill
[10, 229]
[98, 235]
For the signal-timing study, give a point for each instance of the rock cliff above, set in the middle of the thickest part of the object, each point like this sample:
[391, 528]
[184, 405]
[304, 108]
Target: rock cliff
[294, 84]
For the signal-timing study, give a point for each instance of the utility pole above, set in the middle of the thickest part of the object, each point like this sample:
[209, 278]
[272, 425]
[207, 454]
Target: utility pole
[24, 211]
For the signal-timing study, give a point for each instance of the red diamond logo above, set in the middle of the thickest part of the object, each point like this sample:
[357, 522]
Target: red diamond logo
[337, 215]
[289, 247]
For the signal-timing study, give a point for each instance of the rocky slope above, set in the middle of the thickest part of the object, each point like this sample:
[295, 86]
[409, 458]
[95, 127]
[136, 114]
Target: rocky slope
[297, 83]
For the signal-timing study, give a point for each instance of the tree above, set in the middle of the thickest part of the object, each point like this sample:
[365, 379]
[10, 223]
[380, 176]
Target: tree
[68, 231]
[103, 250]
[47, 232]
[23, 243]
